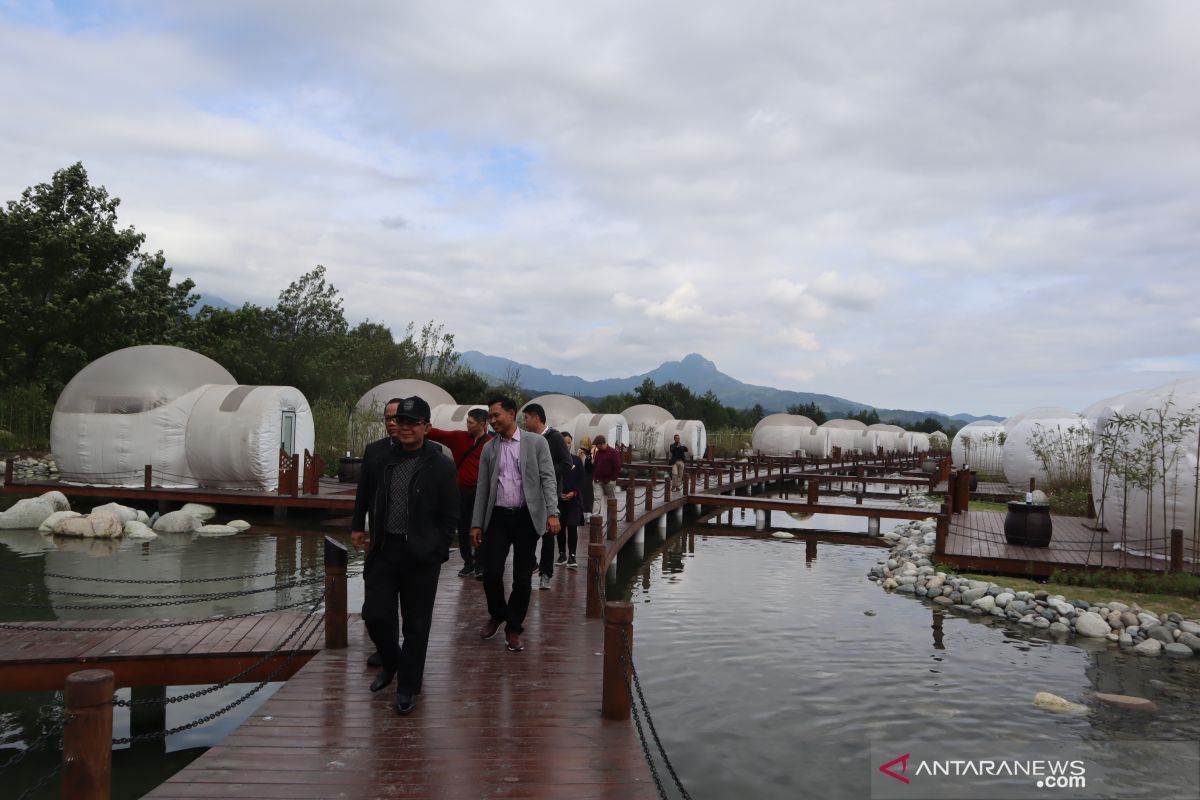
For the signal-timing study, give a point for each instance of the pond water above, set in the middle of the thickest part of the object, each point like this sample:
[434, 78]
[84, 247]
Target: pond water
[767, 678]
[36, 570]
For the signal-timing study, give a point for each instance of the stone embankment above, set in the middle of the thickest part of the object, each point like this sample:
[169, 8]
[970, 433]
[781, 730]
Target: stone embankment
[909, 569]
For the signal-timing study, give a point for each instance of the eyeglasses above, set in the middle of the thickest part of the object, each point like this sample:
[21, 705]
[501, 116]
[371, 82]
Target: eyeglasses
[399, 420]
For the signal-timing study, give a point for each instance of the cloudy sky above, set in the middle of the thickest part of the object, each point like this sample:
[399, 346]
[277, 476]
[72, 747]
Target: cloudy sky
[961, 206]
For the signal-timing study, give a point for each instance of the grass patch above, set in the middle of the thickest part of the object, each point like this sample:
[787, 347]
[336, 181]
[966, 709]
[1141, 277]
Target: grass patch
[1155, 598]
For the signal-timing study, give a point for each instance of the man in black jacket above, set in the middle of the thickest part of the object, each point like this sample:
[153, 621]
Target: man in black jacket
[407, 487]
[560, 454]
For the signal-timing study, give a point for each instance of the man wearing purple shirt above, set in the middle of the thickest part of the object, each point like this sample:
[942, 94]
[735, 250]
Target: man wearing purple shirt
[516, 499]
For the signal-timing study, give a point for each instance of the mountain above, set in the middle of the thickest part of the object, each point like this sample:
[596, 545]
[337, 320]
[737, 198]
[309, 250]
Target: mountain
[219, 303]
[698, 374]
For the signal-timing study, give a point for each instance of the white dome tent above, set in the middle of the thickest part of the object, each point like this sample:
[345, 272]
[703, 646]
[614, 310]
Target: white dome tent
[939, 441]
[886, 436]
[588, 426]
[362, 432]
[182, 414]
[692, 435]
[1065, 433]
[980, 445]
[1140, 514]
[645, 424]
[848, 434]
[451, 417]
[560, 409]
[787, 434]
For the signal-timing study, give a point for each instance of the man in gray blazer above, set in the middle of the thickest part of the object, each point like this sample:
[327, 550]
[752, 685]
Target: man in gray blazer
[516, 500]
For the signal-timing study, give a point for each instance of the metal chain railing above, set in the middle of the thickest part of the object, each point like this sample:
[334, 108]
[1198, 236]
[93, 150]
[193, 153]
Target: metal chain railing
[199, 596]
[230, 680]
[173, 624]
[152, 580]
[257, 687]
[173, 601]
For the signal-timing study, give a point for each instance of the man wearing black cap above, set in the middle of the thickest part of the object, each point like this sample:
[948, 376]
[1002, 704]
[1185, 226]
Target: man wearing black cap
[407, 486]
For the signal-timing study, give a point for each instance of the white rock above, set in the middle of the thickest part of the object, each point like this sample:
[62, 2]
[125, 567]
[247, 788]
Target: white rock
[199, 511]
[241, 524]
[987, 602]
[1147, 619]
[97, 525]
[29, 512]
[1150, 647]
[1187, 626]
[1092, 624]
[216, 530]
[1003, 599]
[1052, 702]
[143, 517]
[139, 530]
[776, 534]
[1063, 608]
[55, 518]
[123, 513]
[176, 522]
[58, 500]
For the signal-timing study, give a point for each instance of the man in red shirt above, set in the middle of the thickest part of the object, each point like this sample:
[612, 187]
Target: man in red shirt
[606, 470]
[465, 446]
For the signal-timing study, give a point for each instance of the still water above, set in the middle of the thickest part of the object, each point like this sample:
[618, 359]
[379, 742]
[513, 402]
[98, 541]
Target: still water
[767, 678]
[34, 572]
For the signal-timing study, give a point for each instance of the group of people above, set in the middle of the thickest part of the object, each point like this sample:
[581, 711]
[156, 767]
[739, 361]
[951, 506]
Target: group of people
[501, 490]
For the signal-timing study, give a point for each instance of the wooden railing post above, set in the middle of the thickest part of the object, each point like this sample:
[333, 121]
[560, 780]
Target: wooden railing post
[147, 477]
[963, 501]
[8, 471]
[618, 655]
[336, 559]
[630, 500]
[1176, 550]
[612, 518]
[814, 491]
[87, 737]
[650, 488]
[667, 487]
[943, 530]
[595, 551]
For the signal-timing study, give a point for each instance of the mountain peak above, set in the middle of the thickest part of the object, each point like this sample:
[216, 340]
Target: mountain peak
[697, 361]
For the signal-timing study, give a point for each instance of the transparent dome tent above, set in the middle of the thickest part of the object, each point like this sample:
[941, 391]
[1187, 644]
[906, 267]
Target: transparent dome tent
[788, 434]
[1047, 430]
[980, 445]
[180, 413]
[560, 409]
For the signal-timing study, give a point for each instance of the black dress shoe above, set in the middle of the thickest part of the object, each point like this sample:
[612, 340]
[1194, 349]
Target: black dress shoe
[405, 703]
[383, 680]
[375, 660]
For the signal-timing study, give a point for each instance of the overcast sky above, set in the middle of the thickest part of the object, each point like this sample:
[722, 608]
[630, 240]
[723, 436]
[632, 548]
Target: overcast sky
[960, 206]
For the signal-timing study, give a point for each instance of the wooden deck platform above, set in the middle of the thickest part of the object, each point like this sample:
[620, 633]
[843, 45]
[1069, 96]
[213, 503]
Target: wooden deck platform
[489, 723]
[35, 659]
[991, 492]
[976, 542]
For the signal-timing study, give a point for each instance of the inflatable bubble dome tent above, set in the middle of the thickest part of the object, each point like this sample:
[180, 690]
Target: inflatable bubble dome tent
[155, 405]
[787, 434]
[560, 409]
[692, 435]
[645, 420]
[980, 445]
[1060, 432]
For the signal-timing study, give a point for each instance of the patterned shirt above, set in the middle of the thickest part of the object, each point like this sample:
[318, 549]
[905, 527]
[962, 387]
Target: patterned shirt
[509, 490]
[400, 476]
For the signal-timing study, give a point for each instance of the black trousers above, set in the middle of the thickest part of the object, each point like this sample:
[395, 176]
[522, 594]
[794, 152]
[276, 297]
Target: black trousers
[568, 540]
[509, 529]
[546, 559]
[466, 507]
[390, 574]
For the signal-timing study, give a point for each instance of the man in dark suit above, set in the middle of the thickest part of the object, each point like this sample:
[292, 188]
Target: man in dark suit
[407, 488]
[516, 501]
[560, 455]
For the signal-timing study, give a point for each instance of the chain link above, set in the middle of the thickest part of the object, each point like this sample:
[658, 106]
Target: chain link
[213, 715]
[152, 580]
[186, 600]
[200, 595]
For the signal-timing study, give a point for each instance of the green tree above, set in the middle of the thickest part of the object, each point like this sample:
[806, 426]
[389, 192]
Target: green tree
[810, 410]
[64, 282]
[868, 416]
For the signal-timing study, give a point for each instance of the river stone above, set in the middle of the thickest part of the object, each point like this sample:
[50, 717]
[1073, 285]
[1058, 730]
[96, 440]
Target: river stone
[97, 525]
[239, 524]
[1003, 599]
[1133, 630]
[1026, 620]
[1125, 640]
[1091, 624]
[1063, 608]
[139, 530]
[55, 518]
[1115, 622]
[1019, 606]
[1081, 604]
[1190, 640]
[943, 600]
[1112, 637]
[216, 530]
[29, 512]
[1130, 619]
[1177, 650]
[1162, 633]
[1060, 628]
[1113, 605]
[1041, 622]
[907, 588]
[1126, 701]
[153, 519]
[1187, 626]
[143, 517]
[1052, 702]
[176, 522]
[971, 595]
[783, 535]
[199, 511]
[1146, 619]
[1173, 617]
[123, 513]
[906, 580]
[985, 603]
[1150, 647]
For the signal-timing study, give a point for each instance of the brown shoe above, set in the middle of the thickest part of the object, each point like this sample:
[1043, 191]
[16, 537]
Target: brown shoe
[512, 642]
[489, 628]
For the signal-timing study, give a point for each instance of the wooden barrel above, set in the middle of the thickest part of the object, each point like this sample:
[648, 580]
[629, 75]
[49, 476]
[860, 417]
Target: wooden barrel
[349, 469]
[1028, 524]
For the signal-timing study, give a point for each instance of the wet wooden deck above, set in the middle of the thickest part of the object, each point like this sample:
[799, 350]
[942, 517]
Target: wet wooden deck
[489, 723]
[35, 659]
[976, 541]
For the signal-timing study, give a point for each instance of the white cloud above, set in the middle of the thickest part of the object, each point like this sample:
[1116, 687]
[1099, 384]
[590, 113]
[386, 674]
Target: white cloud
[800, 338]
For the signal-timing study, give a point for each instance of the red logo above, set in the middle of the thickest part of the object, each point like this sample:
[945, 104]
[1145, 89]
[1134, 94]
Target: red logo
[903, 762]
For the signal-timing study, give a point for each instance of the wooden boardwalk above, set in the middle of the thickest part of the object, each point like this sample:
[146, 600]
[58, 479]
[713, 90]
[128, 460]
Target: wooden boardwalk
[35, 659]
[976, 541]
[489, 723]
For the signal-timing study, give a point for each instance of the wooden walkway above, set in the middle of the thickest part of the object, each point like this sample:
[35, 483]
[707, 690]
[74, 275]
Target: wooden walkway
[489, 723]
[40, 660]
[976, 541]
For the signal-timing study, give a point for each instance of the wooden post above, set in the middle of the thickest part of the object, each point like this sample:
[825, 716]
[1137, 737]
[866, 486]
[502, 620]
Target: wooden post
[814, 491]
[612, 518]
[630, 501]
[595, 552]
[943, 530]
[618, 655]
[8, 472]
[650, 488]
[667, 488]
[1176, 550]
[951, 490]
[87, 738]
[147, 477]
[335, 594]
[963, 501]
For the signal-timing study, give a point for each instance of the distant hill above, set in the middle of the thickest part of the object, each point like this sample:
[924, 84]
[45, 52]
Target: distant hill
[698, 374]
[215, 302]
